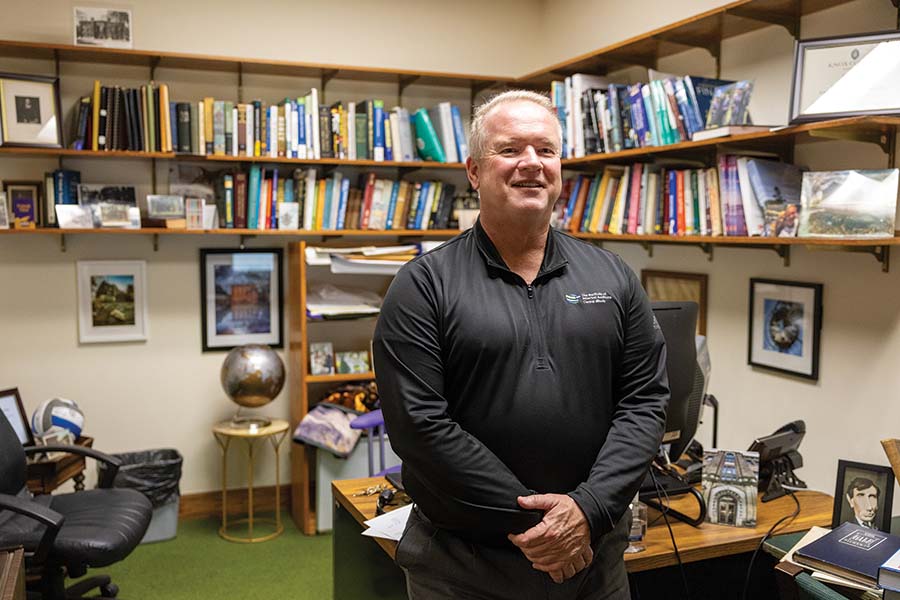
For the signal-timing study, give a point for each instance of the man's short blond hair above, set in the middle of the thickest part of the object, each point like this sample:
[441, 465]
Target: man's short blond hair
[477, 137]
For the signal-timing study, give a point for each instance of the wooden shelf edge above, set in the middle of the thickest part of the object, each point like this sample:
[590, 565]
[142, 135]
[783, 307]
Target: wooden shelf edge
[339, 377]
[291, 233]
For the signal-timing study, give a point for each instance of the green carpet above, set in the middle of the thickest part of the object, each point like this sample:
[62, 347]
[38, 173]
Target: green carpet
[198, 564]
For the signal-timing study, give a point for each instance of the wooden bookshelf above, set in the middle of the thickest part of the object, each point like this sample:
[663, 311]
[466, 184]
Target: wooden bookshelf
[339, 377]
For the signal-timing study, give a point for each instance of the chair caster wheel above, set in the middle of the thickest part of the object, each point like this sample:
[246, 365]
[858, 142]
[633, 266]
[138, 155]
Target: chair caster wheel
[109, 590]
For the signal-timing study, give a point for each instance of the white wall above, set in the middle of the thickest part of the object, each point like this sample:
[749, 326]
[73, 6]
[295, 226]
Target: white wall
[165, 392]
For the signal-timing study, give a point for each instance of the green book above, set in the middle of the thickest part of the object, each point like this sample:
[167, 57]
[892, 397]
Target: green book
[427, 142]
[362, 134]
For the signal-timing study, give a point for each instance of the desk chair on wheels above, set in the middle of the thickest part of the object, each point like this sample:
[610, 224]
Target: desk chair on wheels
[66, 534]
[373, 424]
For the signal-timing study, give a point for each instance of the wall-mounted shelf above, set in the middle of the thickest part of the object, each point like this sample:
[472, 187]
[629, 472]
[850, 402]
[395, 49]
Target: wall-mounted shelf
[337, 378]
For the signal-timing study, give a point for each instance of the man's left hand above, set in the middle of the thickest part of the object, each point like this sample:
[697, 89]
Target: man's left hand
[561, 539]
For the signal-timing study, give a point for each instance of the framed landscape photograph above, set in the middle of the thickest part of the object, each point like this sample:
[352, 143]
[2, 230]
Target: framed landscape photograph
[24, 202]
[12, 409]
[103, 27]
[863, 495]
[859, 203]
[29, 111]
[241, 297]
[112, 301]
[785, 322]
[674, 286]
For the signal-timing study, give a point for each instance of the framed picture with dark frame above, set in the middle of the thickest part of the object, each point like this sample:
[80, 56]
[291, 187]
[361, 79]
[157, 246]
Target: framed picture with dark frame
[675, 286]
[843, 76]
[25, 206]
[11, 406]
[29, 111]
[784, 326]
[241, 297]
[864, 495]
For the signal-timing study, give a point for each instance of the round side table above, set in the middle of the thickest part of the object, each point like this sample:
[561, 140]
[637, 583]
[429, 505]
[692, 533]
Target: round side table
[275, 433]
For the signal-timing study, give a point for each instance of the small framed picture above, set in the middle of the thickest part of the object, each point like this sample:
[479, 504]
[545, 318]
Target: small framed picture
[165, 207]
[352, 362]
[24, 202]
[785, 322]
[112, 301]
[103, 27]
[321, 358]
[72, 216]
[90, 194]
[674, 286]
[4, 212]
[29, 111]
[12, 409]
[241, 297]
[864, 495]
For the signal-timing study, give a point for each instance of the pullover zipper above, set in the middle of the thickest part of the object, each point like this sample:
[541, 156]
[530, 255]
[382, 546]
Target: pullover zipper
[537, 331]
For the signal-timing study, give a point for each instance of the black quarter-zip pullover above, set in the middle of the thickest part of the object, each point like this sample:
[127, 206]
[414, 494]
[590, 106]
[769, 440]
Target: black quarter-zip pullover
[494, 388]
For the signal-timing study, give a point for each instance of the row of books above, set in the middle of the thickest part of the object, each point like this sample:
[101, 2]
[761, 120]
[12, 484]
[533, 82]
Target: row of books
[599, 116]
[646, 199]
[145, 119]
[261, 199]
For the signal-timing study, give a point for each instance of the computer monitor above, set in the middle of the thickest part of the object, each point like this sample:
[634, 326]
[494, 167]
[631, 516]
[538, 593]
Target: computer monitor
[687, 379]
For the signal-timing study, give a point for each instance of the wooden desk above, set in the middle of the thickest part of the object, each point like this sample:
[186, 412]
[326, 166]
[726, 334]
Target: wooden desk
[44, 476]
[12, 574]
[694, 543]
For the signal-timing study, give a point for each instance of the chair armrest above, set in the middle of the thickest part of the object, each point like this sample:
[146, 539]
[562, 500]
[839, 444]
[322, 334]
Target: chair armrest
[106, 476]
[40, 513]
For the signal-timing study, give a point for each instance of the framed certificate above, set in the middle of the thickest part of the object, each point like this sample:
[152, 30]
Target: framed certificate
[846, 76]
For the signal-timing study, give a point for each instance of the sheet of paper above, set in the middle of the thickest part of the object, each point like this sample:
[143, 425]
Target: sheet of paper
[811, 536]
[389, 525]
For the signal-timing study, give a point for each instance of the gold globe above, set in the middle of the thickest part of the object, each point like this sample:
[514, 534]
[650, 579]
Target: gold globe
[252, 375]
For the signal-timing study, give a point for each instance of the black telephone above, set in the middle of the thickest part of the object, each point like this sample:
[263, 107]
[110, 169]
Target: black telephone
[778, 457]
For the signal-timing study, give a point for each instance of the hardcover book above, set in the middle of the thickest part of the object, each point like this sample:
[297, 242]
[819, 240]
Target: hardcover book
[850, 551]
[856, 203]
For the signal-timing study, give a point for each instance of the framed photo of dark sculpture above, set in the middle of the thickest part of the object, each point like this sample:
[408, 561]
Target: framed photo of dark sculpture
[785, 324]
[29, 111]
[675, 286]
[241, 297]
[864, 495]
[12, 409]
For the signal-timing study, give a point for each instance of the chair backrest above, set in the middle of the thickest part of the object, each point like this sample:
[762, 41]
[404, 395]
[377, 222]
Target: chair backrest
[373, 424]
[12, 459]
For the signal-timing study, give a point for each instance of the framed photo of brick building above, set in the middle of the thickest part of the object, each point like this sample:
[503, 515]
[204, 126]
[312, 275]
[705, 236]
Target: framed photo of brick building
[241, 297]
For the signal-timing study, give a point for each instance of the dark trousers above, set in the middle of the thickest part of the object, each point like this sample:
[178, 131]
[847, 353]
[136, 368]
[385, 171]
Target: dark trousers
[441, 566]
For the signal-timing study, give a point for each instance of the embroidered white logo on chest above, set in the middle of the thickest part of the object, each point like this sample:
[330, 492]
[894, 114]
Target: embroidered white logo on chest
[588, 298]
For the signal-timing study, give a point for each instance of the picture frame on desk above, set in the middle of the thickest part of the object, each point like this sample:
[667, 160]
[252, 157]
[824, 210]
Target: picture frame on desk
[864, 494]
[843, 76]
[29, 111]
[676, 286]
[112, 301]
[785, 322]
[12, 408]
[241, 297]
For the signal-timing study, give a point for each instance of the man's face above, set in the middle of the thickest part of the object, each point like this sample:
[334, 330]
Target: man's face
[864, 503]
[520, 170]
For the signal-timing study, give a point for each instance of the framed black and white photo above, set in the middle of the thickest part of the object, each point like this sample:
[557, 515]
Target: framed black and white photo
[785, 322]
[12, 409]
[103, 27]
[112, 301]
[863, 495]
[846, 76]
[241, 297]
[29, 111]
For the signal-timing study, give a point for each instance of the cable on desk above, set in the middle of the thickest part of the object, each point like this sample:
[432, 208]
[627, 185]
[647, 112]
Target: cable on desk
[659, 494]
[765, 537]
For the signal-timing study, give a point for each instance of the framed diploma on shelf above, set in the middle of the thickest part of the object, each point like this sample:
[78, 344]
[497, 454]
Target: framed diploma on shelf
[846, 76]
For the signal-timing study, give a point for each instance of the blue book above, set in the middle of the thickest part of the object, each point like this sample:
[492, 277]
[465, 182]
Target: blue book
[459, 132]
[326, 210]
[423, 199]
[388, 147]
[851, 551]
[342, 206]
[570, 205]
[273, 201]
[639, 116]
[673, 203]
[392, 205]
[378, 129]
[253, 198]
[690, 118]
[700, 92]
[289, 190]
[301, 124]
[650, 114]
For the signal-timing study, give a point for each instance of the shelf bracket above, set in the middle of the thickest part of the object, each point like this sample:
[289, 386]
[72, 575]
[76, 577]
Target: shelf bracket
[707, 249]
[240, 82]
[403, 83]
[62, 242]
[243, 240]
[156, 242]
[881, 138]
[154, 62]
[648, 247]
[790, 22]
[327, 75]
[476, 88]
[784, 251]
[881, 253]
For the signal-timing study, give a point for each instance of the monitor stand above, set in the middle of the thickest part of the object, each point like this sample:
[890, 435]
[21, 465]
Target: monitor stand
[670, 484]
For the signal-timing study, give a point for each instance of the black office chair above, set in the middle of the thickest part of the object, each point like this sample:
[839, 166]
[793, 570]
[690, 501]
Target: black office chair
[64, 535]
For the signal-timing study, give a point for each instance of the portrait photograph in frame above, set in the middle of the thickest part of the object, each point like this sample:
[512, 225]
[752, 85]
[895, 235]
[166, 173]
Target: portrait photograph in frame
[29, 111]
[863, 495]
[12, 408]
[24, 203]
[241, 298]
[846, 76]
[112, 301]
[675, 286]
[785, 322]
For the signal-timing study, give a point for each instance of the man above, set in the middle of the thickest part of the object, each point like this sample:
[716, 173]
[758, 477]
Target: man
[523, 383]
[862, 496]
